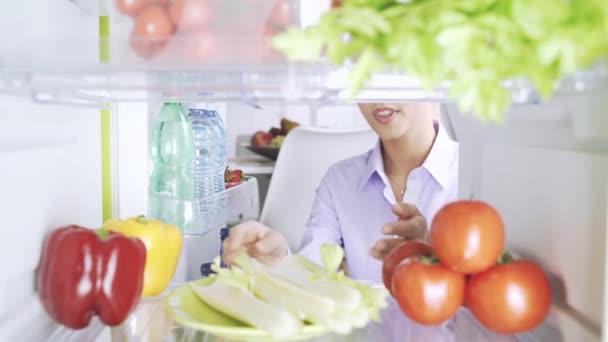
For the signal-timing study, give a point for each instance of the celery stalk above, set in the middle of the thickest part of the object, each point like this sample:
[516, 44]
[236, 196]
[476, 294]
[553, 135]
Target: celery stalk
[245, 307]
[304, 303]
[294, 268]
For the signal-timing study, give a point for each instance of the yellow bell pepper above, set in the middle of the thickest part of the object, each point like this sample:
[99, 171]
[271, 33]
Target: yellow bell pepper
[163, 246]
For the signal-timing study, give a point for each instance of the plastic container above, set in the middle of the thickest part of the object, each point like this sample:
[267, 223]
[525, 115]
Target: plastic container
[242, 201]
[57, 59]
[172, 151]
[196, 32]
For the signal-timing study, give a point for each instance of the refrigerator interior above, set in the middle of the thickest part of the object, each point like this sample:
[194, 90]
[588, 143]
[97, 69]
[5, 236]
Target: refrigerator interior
[545, 169]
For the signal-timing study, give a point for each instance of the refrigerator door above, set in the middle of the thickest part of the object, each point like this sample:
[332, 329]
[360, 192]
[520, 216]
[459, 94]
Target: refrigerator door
[50, 177]
[546, 171]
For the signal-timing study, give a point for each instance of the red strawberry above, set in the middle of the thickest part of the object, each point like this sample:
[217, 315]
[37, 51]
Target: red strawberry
[233, 177]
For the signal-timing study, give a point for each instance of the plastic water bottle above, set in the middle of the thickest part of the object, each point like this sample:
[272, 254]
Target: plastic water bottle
[171, 188]
[206, 150]
[209, 164]
[220, 185]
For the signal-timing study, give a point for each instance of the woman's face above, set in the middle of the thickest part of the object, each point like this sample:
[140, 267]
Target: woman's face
[393, 120]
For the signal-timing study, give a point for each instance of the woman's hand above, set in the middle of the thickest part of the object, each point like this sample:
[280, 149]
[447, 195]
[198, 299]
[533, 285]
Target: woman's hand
[411, 225]
[256, 240]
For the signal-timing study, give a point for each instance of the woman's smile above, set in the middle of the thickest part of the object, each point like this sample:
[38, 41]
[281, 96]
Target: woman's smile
[385, 115]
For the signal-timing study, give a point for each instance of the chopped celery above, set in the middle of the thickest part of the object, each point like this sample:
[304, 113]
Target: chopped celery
[278, 299]
[298, 300]
[293, 269]
[249, 309]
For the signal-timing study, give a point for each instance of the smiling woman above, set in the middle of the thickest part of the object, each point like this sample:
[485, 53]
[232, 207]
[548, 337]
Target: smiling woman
[361, 203]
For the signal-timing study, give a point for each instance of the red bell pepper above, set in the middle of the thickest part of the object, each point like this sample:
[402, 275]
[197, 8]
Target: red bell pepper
[83, 273]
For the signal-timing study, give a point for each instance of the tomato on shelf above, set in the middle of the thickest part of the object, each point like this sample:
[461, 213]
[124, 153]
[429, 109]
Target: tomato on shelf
[151, 31]
[199, 45]
[510, 298]
[465, 265]
[468, 236]
[188, 15]
[132, 7]
[411, 248]
[280, 14]
[427, 292]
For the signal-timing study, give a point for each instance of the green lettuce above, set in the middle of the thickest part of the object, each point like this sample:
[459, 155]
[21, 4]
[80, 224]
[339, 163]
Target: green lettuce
[475, 45]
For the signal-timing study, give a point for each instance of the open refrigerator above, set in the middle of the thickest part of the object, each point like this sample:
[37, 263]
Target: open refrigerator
[78, 102]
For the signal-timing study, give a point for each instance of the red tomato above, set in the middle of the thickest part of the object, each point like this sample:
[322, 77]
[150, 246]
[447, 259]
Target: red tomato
[280, 14]
[410, 248]
[336, 3]
[151, 31]
[190, 14]
[468, 236]
[428, 294]
[131, 7]
[510, 298]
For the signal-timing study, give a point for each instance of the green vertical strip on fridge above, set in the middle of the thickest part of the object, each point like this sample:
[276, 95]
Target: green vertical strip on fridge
[106, 127]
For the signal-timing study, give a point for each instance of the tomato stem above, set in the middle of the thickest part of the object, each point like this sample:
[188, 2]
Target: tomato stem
[505, 258]
[429, 259]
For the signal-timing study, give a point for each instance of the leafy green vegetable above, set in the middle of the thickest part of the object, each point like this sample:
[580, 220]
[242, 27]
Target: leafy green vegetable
[476, 45]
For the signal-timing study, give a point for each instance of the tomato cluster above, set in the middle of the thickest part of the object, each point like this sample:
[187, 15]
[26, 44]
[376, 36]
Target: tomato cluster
[465, 265]
[192, 25]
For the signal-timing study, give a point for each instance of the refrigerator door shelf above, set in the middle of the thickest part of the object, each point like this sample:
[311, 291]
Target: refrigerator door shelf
[209, 213]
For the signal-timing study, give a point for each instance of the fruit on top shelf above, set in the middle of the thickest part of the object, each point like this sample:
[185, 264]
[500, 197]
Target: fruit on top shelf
[151, 31]
[163, 245]
[84, 273]
[203, 23]
[132, 7]
[464, 266]
[189, 15]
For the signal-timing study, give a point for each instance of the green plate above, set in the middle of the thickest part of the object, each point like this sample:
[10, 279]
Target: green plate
[187, 309]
